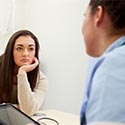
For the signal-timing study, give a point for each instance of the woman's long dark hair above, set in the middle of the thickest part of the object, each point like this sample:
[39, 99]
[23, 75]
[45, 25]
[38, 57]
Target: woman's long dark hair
[7, 66]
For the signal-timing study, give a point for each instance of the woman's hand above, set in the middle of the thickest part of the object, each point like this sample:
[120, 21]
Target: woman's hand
[30, 67]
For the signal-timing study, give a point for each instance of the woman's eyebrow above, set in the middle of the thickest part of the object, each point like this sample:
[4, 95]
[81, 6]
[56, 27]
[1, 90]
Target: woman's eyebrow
[18, 45]
[31, 45]
[23, 45]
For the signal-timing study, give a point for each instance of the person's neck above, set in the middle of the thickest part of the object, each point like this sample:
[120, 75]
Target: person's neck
[104, 43]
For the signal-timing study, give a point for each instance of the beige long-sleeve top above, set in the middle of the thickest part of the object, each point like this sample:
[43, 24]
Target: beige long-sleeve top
[31, 101]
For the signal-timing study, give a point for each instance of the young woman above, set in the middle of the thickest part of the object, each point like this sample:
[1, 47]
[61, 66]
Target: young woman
[21, 81]
[104, 36]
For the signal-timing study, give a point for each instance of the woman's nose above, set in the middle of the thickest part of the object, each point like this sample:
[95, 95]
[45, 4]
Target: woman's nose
[25, 52]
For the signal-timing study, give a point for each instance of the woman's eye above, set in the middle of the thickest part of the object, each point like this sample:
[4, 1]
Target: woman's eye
[31, 49]
[19, 49]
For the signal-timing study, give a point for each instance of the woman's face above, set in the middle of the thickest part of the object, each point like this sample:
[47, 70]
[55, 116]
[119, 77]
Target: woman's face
[24, 50]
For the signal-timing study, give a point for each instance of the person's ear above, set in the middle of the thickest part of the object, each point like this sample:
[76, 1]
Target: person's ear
[99, 15]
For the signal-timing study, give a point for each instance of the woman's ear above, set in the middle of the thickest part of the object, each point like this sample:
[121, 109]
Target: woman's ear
[99, 15]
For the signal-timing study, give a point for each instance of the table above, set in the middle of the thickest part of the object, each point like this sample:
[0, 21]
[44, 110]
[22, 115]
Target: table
[62, 117]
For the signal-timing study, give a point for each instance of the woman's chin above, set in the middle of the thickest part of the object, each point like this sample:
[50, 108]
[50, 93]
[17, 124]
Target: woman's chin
[25, 64]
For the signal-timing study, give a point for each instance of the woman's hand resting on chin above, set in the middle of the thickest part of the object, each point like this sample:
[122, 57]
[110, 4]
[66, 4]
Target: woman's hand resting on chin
[28, 67]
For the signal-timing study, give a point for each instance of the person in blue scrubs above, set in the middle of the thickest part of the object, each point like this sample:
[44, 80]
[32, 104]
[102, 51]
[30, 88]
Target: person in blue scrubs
[103, 31]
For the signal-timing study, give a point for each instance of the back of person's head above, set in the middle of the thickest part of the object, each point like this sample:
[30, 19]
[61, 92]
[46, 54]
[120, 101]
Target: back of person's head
[114, 8]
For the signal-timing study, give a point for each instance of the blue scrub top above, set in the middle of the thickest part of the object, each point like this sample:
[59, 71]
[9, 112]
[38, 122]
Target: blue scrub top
[104, 99]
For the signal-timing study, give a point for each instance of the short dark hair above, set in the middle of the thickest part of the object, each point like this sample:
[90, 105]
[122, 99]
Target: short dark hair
[115, 10]
[7, 66]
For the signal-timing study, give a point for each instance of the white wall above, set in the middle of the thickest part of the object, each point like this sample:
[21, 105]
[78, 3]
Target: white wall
[57, 23]
[6, 21]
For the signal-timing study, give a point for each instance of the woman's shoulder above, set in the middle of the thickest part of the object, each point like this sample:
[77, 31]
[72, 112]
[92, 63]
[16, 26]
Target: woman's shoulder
[41, 74]
[42, 81]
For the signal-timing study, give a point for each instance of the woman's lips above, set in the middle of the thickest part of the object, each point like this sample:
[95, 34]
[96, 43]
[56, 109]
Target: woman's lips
[25, 60]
